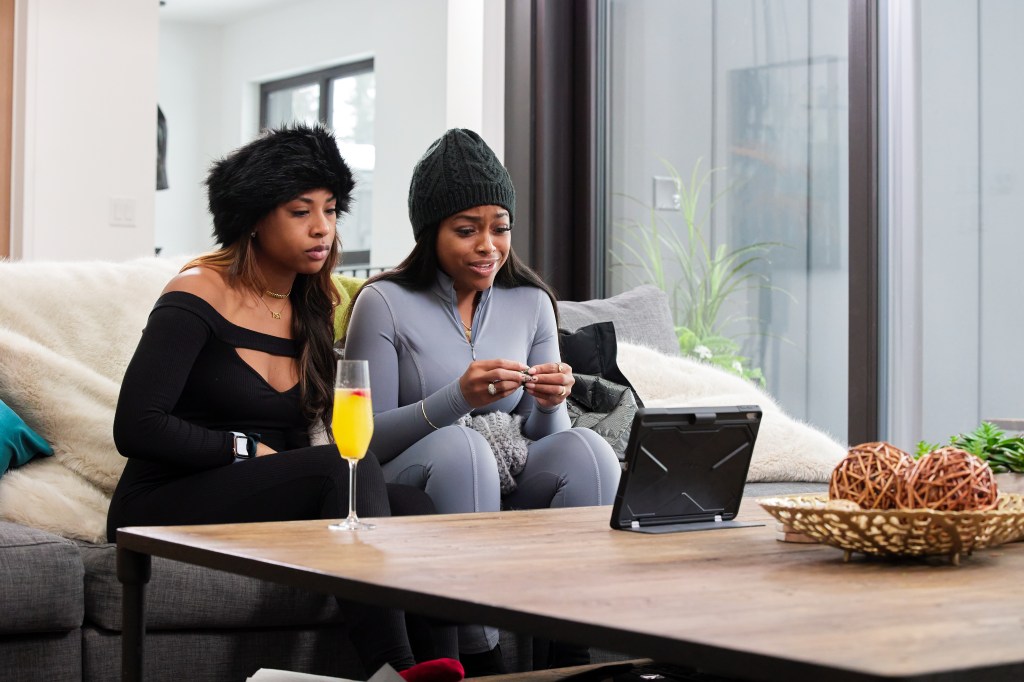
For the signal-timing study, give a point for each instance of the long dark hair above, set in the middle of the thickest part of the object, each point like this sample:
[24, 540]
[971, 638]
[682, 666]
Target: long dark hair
[419, 271]
[313, 299]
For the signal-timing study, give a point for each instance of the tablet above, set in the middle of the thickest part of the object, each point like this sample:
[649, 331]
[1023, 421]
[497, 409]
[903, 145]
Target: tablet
[685, 468]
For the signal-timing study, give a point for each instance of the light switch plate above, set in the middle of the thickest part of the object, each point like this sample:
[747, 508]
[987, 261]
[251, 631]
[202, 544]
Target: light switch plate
[666, 194]
[122, 212]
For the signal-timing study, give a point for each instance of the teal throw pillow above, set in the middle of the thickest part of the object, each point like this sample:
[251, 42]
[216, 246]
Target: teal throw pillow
[18, 443]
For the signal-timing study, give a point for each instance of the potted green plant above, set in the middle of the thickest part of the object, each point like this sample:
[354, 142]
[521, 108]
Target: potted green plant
[1004, 453]
[699, 280]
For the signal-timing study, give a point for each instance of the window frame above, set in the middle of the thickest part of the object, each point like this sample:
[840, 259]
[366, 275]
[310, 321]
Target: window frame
[325, 79]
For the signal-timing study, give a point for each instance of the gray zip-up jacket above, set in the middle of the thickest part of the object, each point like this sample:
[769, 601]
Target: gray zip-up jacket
[417, 351]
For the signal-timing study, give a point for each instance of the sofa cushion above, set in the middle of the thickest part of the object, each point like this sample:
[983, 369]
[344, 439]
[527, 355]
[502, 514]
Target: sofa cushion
[43, 658]
[40, 581]
[641, 316]
[18, 442]
[347, 288]
[181, 596]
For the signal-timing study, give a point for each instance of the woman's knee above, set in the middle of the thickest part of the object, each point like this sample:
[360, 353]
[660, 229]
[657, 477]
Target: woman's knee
[605, 459]
[456, 468]
[585, 443]
[462, 474]
[466, 448]
[589, 461]
[324, 463]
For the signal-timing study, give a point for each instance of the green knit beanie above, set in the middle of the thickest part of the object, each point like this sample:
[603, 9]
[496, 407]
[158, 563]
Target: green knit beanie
[457, 172]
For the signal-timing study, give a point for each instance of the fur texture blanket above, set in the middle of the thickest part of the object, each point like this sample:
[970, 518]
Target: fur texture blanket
[68, 331]
[786, 448]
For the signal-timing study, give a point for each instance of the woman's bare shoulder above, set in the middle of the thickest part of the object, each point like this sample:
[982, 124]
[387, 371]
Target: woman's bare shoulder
[205, 282]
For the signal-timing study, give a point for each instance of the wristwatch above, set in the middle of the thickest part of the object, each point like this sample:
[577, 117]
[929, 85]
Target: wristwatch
[244, 445]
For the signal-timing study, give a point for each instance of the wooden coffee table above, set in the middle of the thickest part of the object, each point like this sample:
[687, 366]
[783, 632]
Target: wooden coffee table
[732, 602]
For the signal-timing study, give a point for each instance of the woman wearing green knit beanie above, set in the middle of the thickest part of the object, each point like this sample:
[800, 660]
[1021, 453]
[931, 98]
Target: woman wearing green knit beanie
[468, 387]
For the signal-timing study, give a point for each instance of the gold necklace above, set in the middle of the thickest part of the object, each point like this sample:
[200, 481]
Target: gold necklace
[277, 315]
[469, 327]
[276, 295]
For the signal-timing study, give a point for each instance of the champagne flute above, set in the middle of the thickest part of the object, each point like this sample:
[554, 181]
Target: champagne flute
[352, 425]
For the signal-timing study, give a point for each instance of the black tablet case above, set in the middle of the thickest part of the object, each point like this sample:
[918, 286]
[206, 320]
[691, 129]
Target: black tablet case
[685, 468]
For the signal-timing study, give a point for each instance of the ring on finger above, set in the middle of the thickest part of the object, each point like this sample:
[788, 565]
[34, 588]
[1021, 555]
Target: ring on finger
[560, 366]
[561, 391]
[492, 389]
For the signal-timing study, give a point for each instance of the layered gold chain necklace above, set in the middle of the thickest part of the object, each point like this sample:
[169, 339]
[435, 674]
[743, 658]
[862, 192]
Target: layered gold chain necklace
[272, 294]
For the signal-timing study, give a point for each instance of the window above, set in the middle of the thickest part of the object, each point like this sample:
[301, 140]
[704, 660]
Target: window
[342, 98]
[956, 197]
[727, 152]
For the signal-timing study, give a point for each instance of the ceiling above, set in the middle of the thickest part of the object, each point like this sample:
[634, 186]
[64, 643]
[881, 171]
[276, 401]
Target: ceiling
[215, 11]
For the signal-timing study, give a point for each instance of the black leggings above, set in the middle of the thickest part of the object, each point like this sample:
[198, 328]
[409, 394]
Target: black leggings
[308, 483]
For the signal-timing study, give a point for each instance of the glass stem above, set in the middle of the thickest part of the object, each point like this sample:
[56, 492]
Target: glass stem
[352, 489]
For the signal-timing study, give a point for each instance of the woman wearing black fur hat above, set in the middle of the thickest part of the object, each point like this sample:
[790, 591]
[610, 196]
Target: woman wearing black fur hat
[468, 387]
[236, 365]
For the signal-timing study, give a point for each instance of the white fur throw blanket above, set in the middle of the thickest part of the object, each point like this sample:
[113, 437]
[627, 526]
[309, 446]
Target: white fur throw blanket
[786, 449]
[68, 331]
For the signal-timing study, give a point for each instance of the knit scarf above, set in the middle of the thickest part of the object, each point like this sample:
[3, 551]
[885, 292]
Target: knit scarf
[504, 434]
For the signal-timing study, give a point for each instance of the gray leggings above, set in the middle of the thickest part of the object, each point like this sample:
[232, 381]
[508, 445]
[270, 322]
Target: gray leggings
[455, 466]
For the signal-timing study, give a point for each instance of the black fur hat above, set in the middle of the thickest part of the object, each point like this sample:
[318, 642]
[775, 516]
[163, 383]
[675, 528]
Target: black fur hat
[276, 167]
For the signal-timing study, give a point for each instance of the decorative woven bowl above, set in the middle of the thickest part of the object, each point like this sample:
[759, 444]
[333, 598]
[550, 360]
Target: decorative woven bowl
[900, 532]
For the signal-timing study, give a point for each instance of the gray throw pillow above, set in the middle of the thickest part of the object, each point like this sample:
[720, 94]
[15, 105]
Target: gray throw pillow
[641, 316]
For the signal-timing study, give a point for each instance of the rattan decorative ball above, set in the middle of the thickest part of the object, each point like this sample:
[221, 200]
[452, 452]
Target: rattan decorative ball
[870, 475]
[949, 479]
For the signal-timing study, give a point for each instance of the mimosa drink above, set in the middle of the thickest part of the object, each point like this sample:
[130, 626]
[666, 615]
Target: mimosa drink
[352, 422]
[352, 426]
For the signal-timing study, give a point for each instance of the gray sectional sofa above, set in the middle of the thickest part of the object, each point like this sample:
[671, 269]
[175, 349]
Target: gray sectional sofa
[61, 618]
[60, 600]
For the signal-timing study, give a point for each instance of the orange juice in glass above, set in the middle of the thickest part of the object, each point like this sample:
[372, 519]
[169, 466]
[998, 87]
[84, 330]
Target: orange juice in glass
[352, 421]
[352, 426]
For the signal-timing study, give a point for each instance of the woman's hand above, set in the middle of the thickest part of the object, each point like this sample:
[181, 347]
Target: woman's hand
[552, 383]
[487, 381]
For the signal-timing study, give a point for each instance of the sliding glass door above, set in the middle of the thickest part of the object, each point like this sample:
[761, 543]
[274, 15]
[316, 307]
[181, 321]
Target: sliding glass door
[727, 173]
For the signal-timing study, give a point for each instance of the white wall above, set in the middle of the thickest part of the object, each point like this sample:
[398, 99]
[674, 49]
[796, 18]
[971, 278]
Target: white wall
[408, 43]
[84, 128]
[437, 64]
[476, 69]
[89, 76]
[189, 83]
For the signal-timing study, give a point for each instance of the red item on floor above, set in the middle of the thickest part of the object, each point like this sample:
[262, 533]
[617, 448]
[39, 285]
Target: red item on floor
[437, 670]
